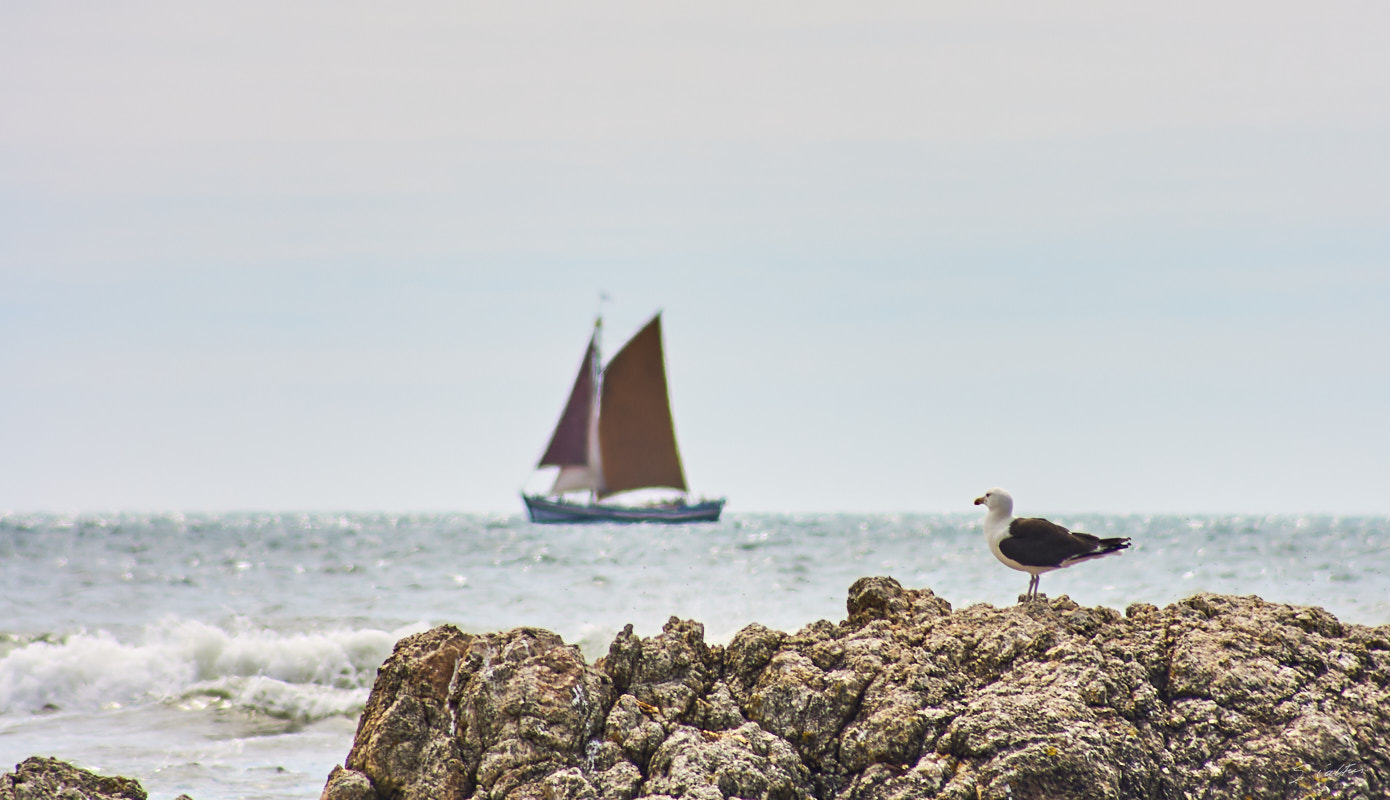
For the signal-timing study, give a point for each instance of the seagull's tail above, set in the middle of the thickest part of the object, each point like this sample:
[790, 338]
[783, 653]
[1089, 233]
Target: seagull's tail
[1104, 547]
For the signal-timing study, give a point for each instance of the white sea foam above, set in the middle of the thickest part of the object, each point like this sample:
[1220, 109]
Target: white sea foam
[300, 675]
[296, 702]
[85, 670]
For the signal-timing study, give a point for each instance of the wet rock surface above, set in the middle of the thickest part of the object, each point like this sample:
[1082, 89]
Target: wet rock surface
[1211, 697]
[39, 778]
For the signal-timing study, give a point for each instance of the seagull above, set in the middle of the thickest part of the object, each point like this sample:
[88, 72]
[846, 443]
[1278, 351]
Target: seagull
[1035, 545]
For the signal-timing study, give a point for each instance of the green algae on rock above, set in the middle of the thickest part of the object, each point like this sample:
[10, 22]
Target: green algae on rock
[39, 778]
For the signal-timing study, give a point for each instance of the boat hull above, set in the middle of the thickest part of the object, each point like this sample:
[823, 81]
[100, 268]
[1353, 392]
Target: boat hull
[545, 510]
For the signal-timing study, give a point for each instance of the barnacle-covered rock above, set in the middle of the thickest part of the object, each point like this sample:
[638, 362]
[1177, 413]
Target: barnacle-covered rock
[906, 698]
[39, 778]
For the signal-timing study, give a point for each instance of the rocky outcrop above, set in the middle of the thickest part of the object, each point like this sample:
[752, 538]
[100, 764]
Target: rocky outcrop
[39, 778]
[1211, 697]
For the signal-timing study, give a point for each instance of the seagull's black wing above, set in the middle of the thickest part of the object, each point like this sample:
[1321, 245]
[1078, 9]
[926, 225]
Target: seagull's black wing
[1036, 542]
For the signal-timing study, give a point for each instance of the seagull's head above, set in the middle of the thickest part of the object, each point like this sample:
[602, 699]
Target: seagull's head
[996, 499]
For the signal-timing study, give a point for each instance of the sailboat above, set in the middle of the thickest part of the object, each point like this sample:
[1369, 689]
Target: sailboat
[616, 435]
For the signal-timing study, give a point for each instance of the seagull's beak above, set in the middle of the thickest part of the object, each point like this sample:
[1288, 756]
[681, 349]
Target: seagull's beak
[979, 501]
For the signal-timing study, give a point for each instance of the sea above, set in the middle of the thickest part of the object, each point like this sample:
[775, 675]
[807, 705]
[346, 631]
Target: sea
[229, 655]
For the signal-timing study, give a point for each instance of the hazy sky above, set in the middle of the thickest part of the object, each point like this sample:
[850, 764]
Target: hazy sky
[291, 255]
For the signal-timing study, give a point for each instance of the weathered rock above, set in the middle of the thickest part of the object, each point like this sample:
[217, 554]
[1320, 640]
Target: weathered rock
[38, 778]
[346, 784]
[1210, 697]
[453, 714]
[746, 762]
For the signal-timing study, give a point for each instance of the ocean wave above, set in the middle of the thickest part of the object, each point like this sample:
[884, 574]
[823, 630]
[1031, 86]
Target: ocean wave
[289, 675]
[299, 703]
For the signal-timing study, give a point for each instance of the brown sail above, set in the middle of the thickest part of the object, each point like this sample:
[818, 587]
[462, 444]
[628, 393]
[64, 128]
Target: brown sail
[636, 436]
[569, 445]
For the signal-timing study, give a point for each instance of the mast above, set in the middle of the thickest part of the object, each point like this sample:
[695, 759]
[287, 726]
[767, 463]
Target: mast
[595, 483]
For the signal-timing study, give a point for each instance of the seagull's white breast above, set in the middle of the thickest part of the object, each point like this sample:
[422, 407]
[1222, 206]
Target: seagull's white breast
[996, 531]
